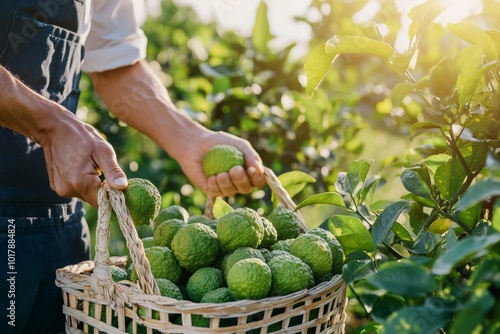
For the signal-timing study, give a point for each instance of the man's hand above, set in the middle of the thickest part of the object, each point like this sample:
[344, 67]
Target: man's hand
[75, 155]
[239, 179]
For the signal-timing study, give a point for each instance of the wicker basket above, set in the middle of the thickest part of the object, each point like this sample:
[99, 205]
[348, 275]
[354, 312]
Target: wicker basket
[317, 310]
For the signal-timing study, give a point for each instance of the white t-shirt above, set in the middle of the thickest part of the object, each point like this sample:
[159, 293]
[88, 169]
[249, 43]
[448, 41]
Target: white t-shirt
[111, 35]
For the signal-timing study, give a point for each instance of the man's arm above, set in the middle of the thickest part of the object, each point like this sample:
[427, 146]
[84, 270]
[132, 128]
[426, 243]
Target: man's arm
[136, 96]
[75, 153]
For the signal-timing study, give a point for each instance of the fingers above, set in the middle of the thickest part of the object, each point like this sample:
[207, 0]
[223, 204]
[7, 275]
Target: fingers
[105, 160]
[237, 181]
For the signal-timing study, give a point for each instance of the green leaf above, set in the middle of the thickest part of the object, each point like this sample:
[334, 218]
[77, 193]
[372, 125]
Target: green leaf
[357, 172]
[358, 45]
[401, 231]
[293, 182]
[495, 38]
[385, 305]
[317, 65]
[472, 317]
[221, 208]
[462, 252]
[486, 272]
[357, 270]
[400, 91]
[443, 77]
[423, 127]
[404, 278]
[476, 154]
[451, 238]
[368, 185]
[261, 34]
[477, 193]
[475, 36]
[417, 319]
[351, 233]
[425, 243]
[323, 198]
[372, 328]
[468, 62]
[417, 181]
[471, 216]
[449, 178]
[421, 16]
[385, 221]
[495, 220]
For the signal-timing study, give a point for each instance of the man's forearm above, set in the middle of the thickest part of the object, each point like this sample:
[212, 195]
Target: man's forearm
[136, 96]
[24, 111]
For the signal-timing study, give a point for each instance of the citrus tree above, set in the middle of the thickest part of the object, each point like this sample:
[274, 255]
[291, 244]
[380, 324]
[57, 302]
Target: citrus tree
[427, 262]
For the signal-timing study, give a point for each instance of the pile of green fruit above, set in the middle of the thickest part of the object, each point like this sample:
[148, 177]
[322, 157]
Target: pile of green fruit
[241, 255]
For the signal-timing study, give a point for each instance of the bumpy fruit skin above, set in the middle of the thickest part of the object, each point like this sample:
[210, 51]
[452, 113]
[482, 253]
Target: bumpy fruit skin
[314, 251]
[338, 255]
[148, 242]
[195, 246]
[143, 201]
[169, 289]
[221, 158]
[118, 274]
[283, 245]
[172, 212]
[289, 274]
[203, 281]
[163, 264]
[241, 227]
[240, 254]
[286, 222]
[165, 232]
[270, 234]
[249, 279]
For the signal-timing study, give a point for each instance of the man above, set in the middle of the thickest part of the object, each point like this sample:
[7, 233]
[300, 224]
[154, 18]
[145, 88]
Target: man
[49, 159]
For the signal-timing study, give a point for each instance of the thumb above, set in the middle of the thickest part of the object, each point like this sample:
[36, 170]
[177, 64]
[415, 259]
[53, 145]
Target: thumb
[114, 175]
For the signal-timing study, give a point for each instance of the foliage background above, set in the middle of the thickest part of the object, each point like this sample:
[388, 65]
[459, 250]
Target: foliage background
[240, 85]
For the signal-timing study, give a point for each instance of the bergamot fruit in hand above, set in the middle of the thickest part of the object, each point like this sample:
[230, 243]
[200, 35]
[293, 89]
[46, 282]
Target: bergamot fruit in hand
[286, 222]
[314, 251]
[221, 158]
[202, 281]
[143, 201]
[241, 227]
[195, 246]
[249, 279]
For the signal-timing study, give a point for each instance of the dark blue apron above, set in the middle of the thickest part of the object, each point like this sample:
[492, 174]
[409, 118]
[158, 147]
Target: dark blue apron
[38, 44]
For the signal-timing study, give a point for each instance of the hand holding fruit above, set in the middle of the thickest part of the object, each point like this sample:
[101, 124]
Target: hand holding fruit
[241, 178]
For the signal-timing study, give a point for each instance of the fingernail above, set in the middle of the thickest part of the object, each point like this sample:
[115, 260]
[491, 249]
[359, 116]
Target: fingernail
[261, 168]
[252, 170]
[120, 181]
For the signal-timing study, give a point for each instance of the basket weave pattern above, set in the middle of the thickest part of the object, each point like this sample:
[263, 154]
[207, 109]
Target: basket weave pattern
[317, 310]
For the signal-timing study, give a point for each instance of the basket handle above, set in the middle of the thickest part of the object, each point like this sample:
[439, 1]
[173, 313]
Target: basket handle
[111, 199]
[277, 188]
